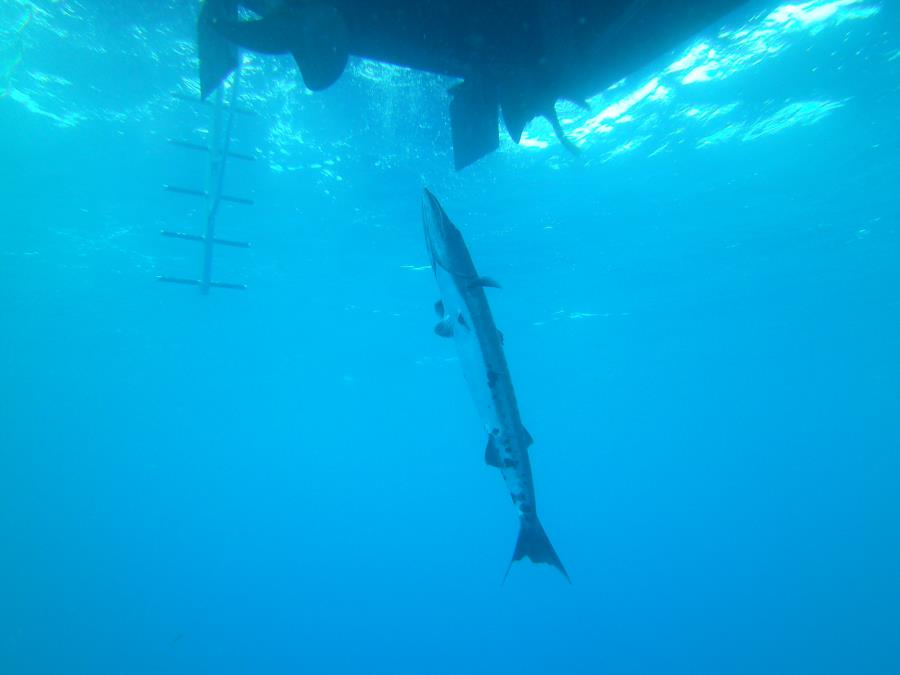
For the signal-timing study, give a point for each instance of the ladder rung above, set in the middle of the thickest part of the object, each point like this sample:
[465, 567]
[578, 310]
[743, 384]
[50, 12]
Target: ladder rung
[236, 200]
[184, 191]
[231, 242]
[225, 106]
[188, 144]
[201, 193]
[233, 287]
[197, 282]
[177, 280]
[201, 239]
[240, 155]
[203, 148]
[182, 235]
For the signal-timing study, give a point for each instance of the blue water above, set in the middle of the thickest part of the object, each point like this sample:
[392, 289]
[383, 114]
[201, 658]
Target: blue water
[701, 316]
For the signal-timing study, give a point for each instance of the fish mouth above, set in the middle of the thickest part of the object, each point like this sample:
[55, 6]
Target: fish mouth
[433, 216]
[437, 227]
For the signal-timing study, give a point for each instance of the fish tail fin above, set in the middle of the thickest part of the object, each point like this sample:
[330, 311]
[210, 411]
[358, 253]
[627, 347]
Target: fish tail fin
[533, 543]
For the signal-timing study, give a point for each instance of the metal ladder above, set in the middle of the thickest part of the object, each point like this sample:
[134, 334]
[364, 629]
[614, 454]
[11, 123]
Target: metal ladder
[218, 149]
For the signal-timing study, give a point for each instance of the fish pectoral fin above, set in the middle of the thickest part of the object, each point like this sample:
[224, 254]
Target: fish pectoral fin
[439, 308]
[500, 335]
[492, 453]
[485, 282]
[461, 320]
[444, 327]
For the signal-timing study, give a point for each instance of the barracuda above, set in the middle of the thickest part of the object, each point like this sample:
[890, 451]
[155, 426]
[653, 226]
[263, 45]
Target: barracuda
[465, 316]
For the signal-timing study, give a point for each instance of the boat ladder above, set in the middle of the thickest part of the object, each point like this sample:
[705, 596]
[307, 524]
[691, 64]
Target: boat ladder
[219, 151]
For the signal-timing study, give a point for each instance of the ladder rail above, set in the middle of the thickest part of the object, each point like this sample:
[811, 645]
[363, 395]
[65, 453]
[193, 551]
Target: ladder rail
[218, 148]
[219, 142]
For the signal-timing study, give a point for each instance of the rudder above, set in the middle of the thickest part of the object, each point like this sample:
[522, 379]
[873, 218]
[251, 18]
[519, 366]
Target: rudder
[473, 121]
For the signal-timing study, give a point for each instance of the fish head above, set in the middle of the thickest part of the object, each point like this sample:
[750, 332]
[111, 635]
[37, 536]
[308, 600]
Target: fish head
[444, 241]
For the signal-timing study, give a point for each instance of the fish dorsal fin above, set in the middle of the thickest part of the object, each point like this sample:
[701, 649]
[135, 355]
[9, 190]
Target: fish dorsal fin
[529, 441]
[491, 453]
[439, 308]
[484, 282]
[444, 327]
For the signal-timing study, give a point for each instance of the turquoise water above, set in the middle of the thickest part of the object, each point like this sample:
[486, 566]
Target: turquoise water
[700, 314]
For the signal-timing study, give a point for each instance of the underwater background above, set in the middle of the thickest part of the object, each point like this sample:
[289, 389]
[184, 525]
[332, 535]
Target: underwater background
[702, 320]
